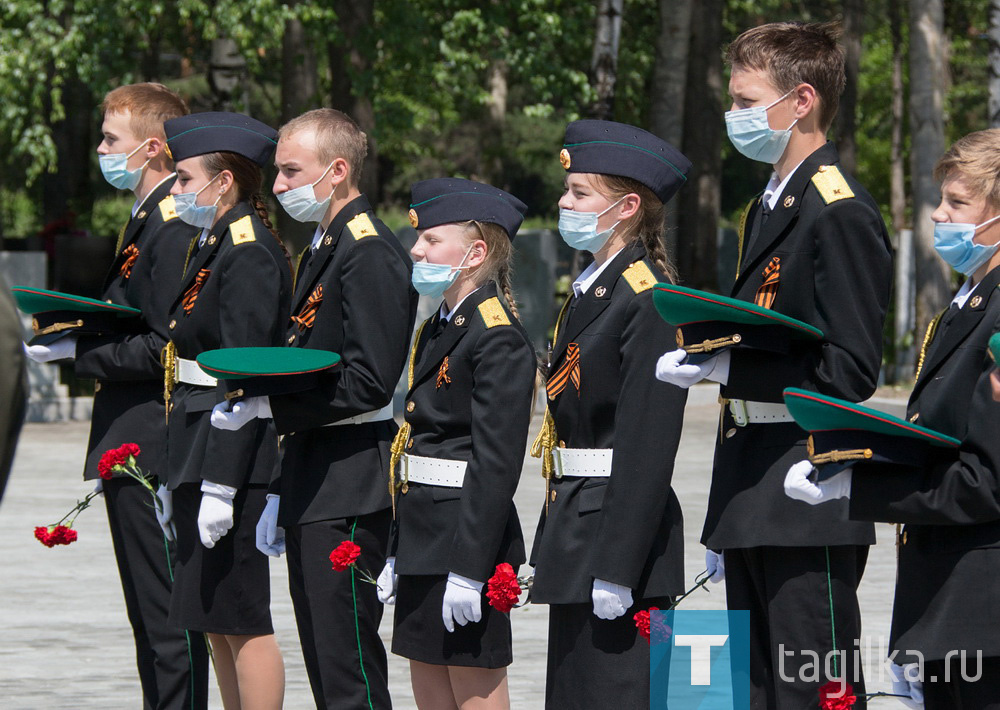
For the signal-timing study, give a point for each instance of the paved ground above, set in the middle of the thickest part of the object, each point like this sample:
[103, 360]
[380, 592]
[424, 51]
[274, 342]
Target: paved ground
[67, 643]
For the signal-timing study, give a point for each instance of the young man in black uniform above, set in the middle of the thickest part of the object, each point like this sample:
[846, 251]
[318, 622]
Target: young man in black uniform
[945, 616]
[128, 400]
[352, 297]
[812, 246]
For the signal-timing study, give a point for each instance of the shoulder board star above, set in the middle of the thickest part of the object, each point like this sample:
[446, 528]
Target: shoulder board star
[242, 230]
[831, 184]
[361, 227]
[167, 208]
[640, 277]
[493, 313]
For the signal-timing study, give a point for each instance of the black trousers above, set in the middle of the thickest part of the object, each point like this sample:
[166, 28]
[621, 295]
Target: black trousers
[801, 600]
[338, 613]
[594, 663]
[172, 663]
[976, 686]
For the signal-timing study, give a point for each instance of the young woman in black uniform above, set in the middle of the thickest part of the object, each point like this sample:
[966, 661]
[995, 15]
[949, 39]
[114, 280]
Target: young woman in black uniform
[471, 375]
[610, 541]
[235, 292]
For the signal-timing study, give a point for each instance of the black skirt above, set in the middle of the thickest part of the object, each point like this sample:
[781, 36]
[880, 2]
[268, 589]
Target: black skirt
[226, 589]
[593, 663]
[418, 632]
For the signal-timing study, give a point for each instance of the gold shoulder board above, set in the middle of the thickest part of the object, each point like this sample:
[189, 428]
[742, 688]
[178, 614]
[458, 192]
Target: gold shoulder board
[167, 210]
[493, 313]
[831, 184]
[242, 230]
[361, 227]
[639, 277]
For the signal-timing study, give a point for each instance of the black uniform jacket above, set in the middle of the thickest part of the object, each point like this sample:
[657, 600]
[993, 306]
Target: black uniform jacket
[470, 401]
[13, 381]
[243, 301]
[128, 401]
[626, 528]
[836, 274]
[357, 287]
[949, 562]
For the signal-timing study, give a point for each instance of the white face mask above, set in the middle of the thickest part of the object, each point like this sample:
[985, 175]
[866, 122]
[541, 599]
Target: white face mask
[752, 135]
[579, 229]
[301, 203]
[114, 168]
[187, 207]
[434, 279]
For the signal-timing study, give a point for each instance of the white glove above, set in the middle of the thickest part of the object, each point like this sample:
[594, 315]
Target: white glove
[799, 487]
[244, 412]
[215, 516]
[387, 582]
[669, 369]
[610, 599]
[715, 563]
[62, 349]
[270, 538]
[903, 683]
[462, 601]
[165, 513]
[99, 487]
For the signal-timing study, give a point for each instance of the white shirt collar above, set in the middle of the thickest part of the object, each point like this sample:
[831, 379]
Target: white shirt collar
[589, 275]
[774, 188]
[963, 293]
[317, 237]
[445, 314]
[140, 203]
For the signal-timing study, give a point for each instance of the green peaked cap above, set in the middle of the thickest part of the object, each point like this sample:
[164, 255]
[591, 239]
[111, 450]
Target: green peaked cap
[995, 347]
[680, 306]
[40, 300]
[247, 363]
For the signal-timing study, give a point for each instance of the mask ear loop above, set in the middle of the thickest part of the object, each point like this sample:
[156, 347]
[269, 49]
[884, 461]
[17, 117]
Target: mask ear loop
[205, 187]
[137, 149]
[989, 221]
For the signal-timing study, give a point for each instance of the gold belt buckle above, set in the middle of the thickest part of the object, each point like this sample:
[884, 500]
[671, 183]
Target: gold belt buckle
[738, 408]
[557, 468]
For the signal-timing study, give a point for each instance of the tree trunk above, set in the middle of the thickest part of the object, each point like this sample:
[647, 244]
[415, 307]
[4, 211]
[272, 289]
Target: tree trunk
[298, 72]
[604, 63]
[350, 64]
[669, 86]
[854, 15]
[994, 38]
[699, 200]
[897, 180]
[928, 67]
[491, 137]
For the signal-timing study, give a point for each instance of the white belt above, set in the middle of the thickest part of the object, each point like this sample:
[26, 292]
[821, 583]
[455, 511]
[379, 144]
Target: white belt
[433, 472]
[188, 372]
[584, 463]
[379, 415]
[746, 412]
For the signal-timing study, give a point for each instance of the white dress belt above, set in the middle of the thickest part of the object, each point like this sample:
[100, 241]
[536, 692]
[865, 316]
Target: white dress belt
[747, 412]
[379, 415]
[188, 372]
[582, 463]
[433, 472]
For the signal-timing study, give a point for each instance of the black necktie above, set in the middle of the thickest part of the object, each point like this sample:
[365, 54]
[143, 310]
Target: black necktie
[953, 310]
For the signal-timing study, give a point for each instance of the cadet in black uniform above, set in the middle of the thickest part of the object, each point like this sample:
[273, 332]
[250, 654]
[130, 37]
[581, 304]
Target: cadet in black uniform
[817, 250]
[470, 376]
[609, 541]
[128, 400]
[352, 297]
[13, 382]
[235, 292]
[949, 552]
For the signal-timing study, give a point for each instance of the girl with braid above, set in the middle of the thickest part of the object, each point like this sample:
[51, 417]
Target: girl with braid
[235, 292]
[610, 541]
[457, 459]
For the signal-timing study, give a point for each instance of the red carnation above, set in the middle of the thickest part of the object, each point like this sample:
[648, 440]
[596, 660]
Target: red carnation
[62, 535]
[836, 695]
[642, 621]
[344, 555]
[42, 535]
[503, 589]
[129, 449]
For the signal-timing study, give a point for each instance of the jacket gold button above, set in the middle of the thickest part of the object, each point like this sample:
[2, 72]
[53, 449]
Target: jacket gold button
[97, 386]
[173, 324]
[553, 496]
[291, 338]
[409, 444]
[410, 406]
[730, 433]
[904, 537]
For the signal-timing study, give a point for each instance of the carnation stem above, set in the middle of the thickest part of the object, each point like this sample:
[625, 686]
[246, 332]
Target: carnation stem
[700, 581]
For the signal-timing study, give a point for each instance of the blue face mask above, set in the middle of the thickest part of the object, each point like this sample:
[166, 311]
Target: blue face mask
[752, 135]
[115, 171]
[301, 203]
[579, 229]
[434, 279]
[190, 212]
[953, 243]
